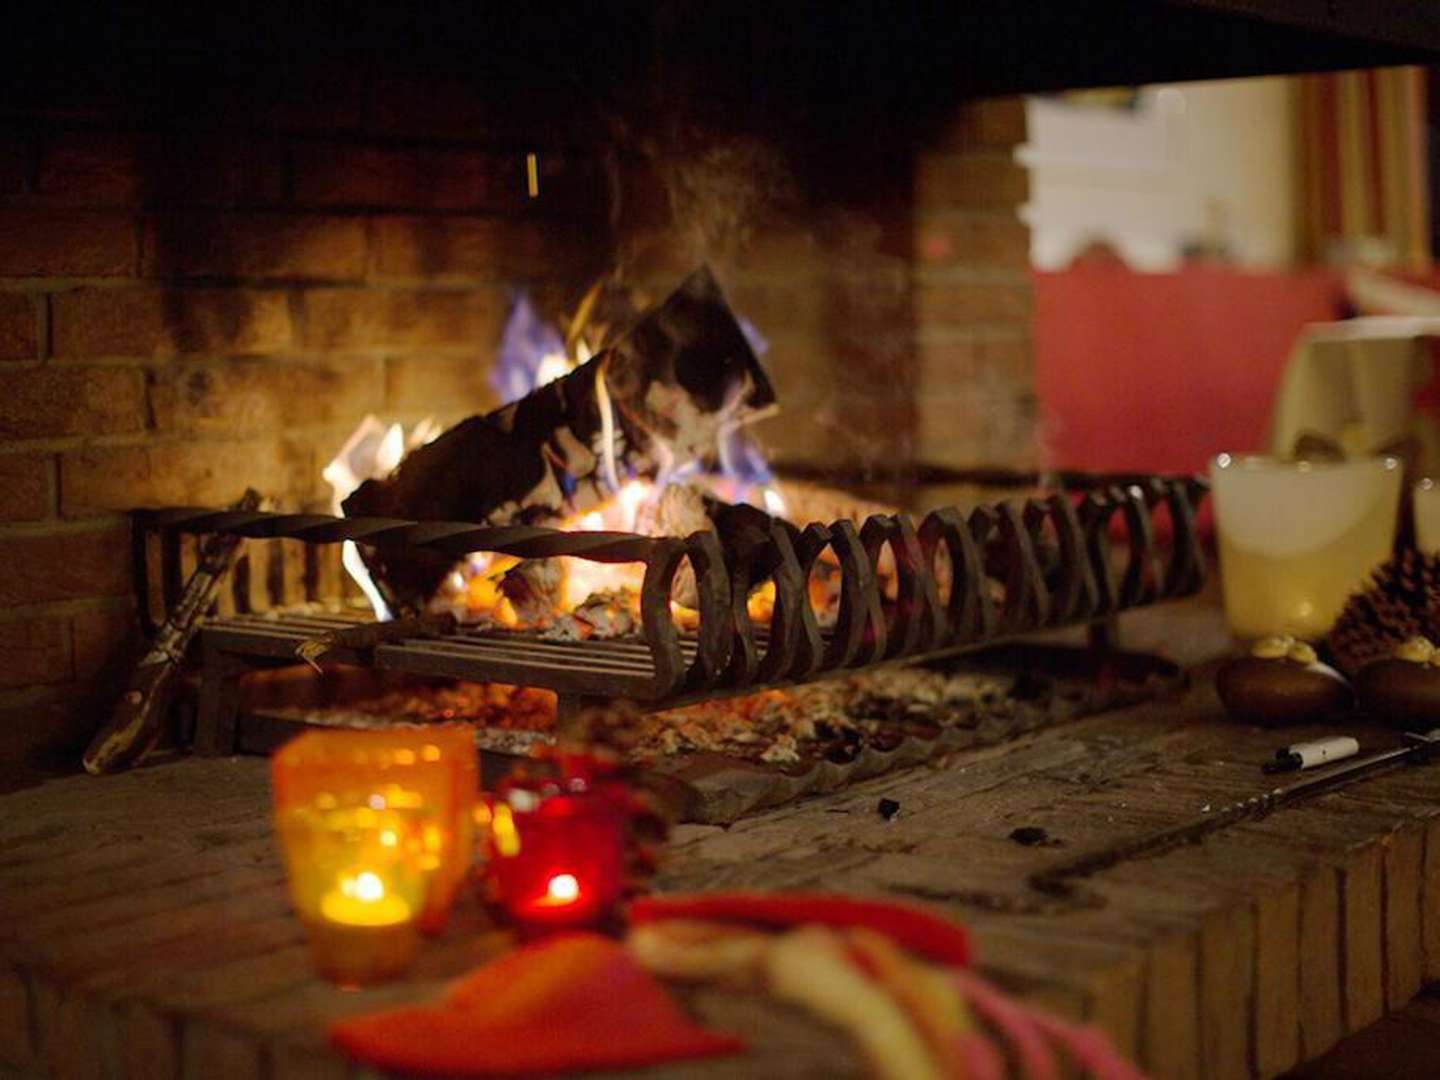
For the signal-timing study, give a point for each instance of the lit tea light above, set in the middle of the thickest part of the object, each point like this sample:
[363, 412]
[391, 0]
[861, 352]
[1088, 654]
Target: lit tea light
[562, 889]
[362, 900]
[556, 860]
[365, 932]
[377, 831]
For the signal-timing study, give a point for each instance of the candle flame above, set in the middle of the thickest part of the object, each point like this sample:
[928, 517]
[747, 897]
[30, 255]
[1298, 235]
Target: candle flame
[365, 886]
[563, 889]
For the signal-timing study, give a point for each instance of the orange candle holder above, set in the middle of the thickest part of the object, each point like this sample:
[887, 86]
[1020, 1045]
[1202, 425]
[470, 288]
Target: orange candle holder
[377, 833]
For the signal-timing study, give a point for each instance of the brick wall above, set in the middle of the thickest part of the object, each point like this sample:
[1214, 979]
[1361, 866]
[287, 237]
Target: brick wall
[974, 384]
[894, 291]
[205, 290]
[201, 299]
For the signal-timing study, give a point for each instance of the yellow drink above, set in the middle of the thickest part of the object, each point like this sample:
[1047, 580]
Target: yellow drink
[1297, 538]
[1299, 594]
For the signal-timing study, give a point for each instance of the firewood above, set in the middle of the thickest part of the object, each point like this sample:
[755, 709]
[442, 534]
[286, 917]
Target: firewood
[136, 722]
[663, 392]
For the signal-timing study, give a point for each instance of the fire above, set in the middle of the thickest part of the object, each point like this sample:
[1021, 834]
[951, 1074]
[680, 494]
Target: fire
[568, 595]
[374, 449]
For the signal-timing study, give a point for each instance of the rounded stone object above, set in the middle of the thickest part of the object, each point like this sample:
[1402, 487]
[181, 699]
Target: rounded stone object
[1277, 693]
[1401, 693]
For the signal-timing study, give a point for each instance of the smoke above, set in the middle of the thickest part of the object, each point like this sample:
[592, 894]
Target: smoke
[721, 191]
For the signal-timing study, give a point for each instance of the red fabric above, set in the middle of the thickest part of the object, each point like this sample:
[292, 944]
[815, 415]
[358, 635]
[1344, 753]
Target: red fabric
[1159, 372]
[914, 928]
[564, 1004]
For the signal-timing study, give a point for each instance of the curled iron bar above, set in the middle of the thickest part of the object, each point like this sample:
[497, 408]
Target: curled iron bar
[1013, 568]
[451, 537]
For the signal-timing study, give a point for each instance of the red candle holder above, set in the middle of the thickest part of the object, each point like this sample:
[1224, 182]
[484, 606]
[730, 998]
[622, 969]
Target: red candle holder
[556, 853]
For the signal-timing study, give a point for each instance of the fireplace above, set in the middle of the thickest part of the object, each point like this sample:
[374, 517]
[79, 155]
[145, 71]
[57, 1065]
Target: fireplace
[222, 245]
[205, 296]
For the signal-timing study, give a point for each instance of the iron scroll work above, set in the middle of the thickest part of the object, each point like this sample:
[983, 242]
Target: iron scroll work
[1013, 568]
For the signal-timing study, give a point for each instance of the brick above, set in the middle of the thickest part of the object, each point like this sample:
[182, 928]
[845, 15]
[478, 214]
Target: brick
[432, 106]
[151, 323]
[92, 169]
[983, 239]
[28, 484]
[242, 397]
[64, 565]
[291, 1060]
[169, 474]
[16, 1048]
[990, 179]
[48, 402]
[149, 1044]
[407, 178]
[782, 250]
[71, 1036]
[800, 367]
[57, 243]
[966, 303]
[208, 1049]
[370, 318]
[104, 643]
[994, 122]
[15, 156]
[46, 727]
[836, 429]
[573, 186]
[34, 652]
[780, 305]
[665, 255]
[108, 169]
[979, 424]
[19, 327]
[449, 387]
[231, 245]
[945, 365]
[491, 249]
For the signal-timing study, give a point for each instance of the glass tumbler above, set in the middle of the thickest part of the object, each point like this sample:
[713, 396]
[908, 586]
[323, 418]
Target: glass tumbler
[1296, 538]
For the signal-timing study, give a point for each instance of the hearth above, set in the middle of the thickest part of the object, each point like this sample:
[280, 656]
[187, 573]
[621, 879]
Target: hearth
[225, 243]
[957, 582]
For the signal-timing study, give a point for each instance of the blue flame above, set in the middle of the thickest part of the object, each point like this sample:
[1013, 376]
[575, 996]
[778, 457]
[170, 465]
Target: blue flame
[741, 460]
[525, 341]
[756, 340]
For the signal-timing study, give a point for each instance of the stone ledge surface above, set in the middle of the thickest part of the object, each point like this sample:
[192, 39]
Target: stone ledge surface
[145, 930]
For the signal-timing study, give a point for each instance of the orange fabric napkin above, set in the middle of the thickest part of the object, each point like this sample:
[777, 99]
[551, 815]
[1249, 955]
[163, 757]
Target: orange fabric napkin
[563, 1004]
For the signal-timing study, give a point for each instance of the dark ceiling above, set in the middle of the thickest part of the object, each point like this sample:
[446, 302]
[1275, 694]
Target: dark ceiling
[881, 73]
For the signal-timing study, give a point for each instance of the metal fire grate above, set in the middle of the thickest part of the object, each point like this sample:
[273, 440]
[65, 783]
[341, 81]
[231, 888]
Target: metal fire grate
[1014, 568]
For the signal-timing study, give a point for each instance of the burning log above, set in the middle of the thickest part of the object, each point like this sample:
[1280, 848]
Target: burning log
[664, 392]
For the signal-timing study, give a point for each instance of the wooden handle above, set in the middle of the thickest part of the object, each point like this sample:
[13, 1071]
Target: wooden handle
[138, 718]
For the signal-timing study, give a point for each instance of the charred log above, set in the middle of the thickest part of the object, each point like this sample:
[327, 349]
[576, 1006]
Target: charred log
[664, 391]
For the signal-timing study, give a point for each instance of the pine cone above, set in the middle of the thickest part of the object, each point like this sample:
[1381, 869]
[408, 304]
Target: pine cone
[1402, 601]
